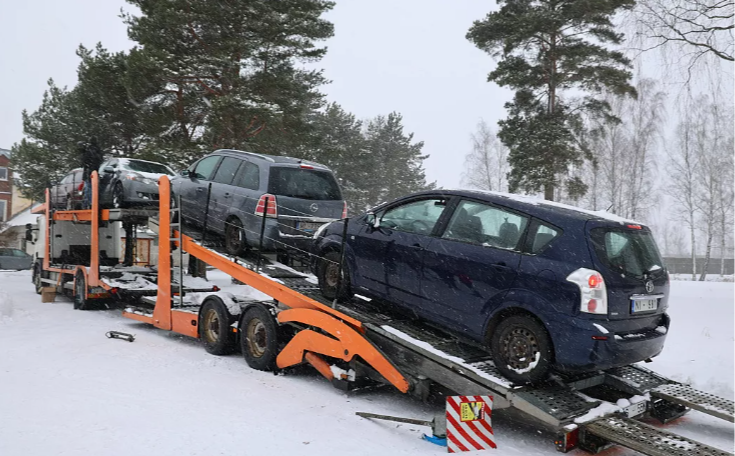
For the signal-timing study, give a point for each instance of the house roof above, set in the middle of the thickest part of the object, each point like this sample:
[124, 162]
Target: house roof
[22, 218]
[5, 152]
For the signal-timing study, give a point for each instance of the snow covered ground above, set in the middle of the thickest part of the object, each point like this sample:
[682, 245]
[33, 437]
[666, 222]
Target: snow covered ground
[65, 389]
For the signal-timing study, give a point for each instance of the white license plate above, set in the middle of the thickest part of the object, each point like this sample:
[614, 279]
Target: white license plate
[636, 409]
[644, 305]
[309, 227]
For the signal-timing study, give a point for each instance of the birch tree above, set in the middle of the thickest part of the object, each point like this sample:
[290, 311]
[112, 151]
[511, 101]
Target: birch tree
[486, 165]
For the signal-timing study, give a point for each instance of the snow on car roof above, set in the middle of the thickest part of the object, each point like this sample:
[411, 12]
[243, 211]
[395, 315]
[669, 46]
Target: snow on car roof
[535, 201]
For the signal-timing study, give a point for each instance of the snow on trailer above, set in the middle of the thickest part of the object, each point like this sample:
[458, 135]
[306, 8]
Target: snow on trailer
[290, 323]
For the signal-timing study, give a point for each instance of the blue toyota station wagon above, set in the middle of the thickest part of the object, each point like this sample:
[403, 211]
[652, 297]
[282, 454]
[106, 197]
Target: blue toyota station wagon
[540, 284]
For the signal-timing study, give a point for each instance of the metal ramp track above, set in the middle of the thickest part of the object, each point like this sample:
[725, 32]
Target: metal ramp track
[696, 400]
[647, 439]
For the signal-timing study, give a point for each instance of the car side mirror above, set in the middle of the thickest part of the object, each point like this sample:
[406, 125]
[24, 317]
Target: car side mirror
[372, 221]
[108, 170]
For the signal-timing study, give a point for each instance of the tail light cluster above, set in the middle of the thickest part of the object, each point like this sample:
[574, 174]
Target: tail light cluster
[272, 209]
[591, 289]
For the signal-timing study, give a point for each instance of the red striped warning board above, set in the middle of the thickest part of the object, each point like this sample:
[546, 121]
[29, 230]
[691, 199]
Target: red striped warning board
[468, 423]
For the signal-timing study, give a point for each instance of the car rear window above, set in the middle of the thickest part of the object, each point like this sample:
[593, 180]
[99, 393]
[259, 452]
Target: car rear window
[630, 252]
[303, 183]
[147, 167]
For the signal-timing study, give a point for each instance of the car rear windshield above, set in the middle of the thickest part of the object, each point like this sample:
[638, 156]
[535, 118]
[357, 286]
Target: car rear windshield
[303, 183]
[147, 167]
[630, 252]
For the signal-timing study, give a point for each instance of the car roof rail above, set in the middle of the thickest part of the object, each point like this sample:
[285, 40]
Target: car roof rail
[264, 157]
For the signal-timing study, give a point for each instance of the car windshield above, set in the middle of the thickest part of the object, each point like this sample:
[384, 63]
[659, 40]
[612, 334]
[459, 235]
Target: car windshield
[304, 183]
[147, 167]
[631, 252]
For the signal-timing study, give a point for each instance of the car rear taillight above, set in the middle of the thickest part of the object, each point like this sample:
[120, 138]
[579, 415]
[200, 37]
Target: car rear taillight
[271, 210]
[344, 209]
[592, 290]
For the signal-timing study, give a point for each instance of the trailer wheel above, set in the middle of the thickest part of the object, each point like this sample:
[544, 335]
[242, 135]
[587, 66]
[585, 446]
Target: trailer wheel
[37, 276]
[80, 291]
[521, 349]
[214, 327]
[259, 338]
[328, 276]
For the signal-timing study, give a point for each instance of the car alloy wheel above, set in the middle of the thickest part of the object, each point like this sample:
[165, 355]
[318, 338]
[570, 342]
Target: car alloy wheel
[234, 237]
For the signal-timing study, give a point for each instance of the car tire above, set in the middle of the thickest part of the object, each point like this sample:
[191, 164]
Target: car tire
[259, 338]
[236, 243]
[118, 196]
[521, 349]
[327, 275]
[214, 327]
[80, 291]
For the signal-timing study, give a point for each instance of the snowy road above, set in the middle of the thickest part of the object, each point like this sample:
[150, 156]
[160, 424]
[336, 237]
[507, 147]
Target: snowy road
[67, 390]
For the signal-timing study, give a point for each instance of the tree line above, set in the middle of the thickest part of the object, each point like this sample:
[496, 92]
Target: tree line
[210, 75]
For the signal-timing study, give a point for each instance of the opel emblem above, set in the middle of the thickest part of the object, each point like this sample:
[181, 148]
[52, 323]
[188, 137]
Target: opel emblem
[314, 207]
[649, 286]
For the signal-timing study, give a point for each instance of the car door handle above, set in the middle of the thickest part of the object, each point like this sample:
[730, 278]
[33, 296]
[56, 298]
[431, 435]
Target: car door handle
[418, 246]
[501, 265]
[200, 189]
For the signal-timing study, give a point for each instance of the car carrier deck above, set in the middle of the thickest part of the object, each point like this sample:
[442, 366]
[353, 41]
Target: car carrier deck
[401, 351]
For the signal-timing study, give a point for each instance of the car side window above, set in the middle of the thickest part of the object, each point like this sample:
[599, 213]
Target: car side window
[248, 176]
[67, 179]
[417, 217]
[226, 171]
[5, 252]
[206, 166]
[78, 176]
[482, 224]
[19, 253]
[544, 235]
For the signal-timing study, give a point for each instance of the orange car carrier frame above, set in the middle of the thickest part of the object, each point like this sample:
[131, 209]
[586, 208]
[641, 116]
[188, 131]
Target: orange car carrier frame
[349, 343]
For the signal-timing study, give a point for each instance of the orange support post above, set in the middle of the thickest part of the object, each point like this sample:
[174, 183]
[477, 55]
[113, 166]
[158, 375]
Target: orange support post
[345, 344]
[94, 261]
[162, 311]
[47, 256]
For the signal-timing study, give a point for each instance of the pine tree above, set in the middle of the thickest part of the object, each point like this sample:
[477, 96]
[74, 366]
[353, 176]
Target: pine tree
[339, 144]
[52, 133]
[102, 104]
[396, 164]
[231, 70]
[552, 54]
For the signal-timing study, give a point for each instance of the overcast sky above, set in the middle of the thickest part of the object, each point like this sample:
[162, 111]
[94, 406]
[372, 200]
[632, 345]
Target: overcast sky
[409, 56]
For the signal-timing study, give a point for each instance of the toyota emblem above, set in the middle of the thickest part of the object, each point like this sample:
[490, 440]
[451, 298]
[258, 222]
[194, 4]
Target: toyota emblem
[649, 286]
[314, 207]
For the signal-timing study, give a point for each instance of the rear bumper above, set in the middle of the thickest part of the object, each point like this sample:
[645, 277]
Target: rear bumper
[614, 344]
